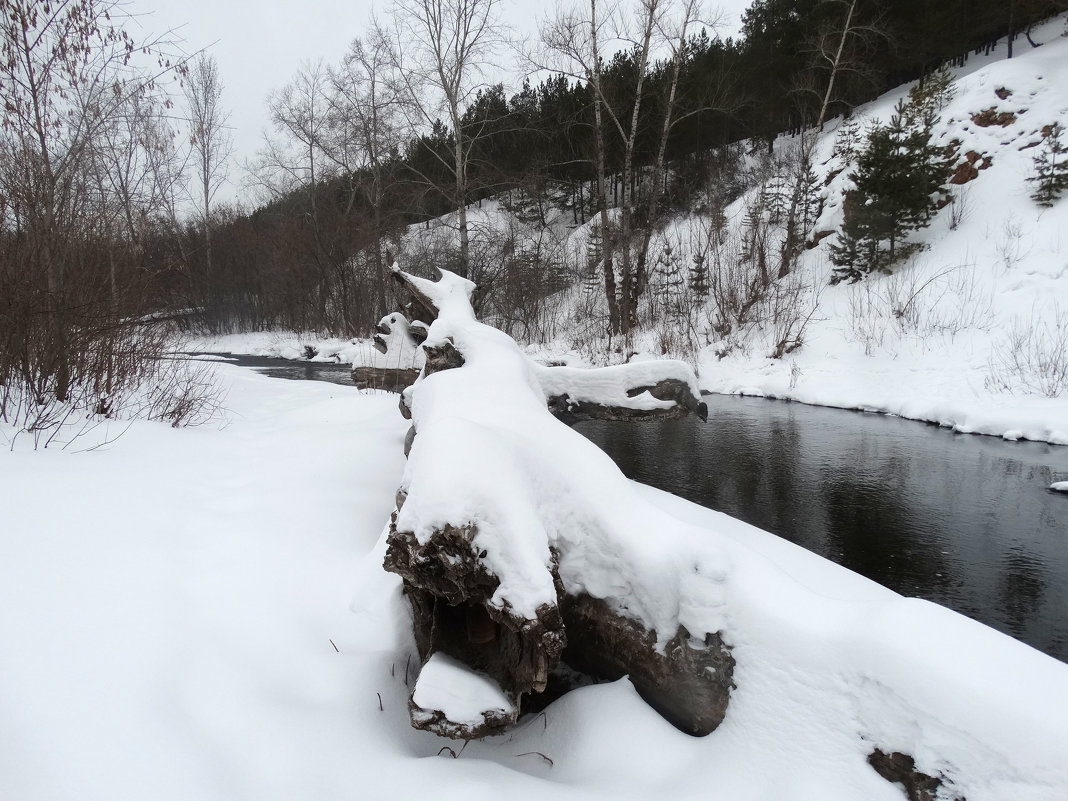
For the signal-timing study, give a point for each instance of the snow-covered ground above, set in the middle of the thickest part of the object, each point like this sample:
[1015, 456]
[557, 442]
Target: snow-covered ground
[202, 613]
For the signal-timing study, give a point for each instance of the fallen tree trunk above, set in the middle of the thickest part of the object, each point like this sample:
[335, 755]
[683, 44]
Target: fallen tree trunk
[397, 360]
[521, 546]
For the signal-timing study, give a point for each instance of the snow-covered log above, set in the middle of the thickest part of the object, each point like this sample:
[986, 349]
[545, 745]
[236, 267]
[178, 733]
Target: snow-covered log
[521, 545]
[640, 391]
[398, 357]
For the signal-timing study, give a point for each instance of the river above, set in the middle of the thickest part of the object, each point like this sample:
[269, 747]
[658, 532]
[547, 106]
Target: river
[963, 520]
[966, 521]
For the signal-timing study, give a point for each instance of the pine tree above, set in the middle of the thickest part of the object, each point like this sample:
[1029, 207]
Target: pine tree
[855, 253]
[1051, 168]
[932, 93]
[898, 179]
[847, 142]
[668, 281]
[776, 198]
[810, 201]
[698, 277]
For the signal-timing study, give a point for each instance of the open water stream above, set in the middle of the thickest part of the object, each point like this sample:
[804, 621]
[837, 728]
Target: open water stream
[966, 521]
[963, 520]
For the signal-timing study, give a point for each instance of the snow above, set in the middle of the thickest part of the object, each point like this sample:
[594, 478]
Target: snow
[202, 613]
[609, 385]
[447, 685]
[488, 452]
[170, 607]
[312, 347]
[999, 268]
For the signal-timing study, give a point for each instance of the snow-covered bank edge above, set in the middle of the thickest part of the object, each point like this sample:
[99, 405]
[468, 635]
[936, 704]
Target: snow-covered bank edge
[924, 392]
[1030, 419]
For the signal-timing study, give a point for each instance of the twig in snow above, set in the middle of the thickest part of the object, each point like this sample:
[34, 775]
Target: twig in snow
[537, 753]
[380, 707]
[335, 646]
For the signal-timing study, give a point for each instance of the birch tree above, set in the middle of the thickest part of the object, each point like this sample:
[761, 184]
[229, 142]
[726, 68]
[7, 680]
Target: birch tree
[574, 43]
[442, 51]
[210, 139]
[365, 113]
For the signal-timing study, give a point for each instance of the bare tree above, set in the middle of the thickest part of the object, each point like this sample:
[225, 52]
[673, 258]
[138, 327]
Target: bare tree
[67, 72]
[137, 171]
[292, 157]
[441, 50]
[575, 43]
[210, 139]
[833, 50]
[674, 29]
[366, 125]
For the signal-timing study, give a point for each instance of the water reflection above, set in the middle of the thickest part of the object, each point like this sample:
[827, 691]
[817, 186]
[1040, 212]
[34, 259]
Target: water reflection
[965, 521]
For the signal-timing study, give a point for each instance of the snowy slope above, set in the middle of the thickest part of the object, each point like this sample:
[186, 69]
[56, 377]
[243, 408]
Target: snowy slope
[1000, 269]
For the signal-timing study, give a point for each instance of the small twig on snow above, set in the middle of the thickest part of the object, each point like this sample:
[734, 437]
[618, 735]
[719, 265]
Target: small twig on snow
[537, 753]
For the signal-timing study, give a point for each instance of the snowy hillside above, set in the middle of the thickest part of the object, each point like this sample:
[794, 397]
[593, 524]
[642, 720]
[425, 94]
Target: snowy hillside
[996, 268]
[970, 333]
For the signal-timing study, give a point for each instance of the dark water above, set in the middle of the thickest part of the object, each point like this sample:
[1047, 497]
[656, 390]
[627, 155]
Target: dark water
[963, 520]
[284, 368]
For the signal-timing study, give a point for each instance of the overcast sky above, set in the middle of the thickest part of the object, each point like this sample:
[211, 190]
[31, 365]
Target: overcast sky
[260, 44]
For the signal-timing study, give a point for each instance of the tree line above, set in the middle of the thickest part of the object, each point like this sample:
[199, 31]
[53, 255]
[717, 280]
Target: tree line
[392, 136]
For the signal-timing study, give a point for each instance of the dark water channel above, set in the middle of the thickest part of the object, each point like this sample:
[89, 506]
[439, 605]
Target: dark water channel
[285, 368]
[963, 520]
[966, 521]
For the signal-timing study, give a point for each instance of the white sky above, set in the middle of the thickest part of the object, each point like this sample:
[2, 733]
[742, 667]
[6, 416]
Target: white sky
[261, 45]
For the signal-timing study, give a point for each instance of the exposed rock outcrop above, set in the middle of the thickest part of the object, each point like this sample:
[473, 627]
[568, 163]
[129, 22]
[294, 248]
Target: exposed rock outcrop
[901, 769]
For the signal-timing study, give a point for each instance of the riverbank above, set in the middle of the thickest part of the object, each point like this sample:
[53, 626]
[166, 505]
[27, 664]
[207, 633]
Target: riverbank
[947, 387]
[204, 615]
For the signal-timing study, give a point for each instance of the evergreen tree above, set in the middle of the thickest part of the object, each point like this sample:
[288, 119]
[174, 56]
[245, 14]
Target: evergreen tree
[898, 179]
[668, 281]
[698, 277]
[809, 202]
[847, 141]
[1051, 168]
[854, 254]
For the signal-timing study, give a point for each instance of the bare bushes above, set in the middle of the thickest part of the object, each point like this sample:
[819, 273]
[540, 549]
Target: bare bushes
[920, 305]
[749, 305]
[521, 271]
[1033, 357]
[81, 353]
[790, 306]
[178, 392]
